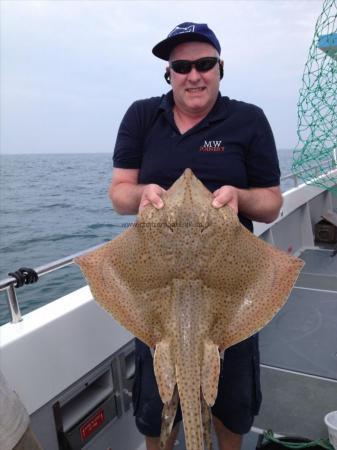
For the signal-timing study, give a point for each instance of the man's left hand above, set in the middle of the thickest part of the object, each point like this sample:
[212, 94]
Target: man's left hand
[226, 195]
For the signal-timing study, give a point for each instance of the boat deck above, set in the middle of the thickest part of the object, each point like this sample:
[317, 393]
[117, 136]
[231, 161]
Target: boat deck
[293, 340]
[299, 352]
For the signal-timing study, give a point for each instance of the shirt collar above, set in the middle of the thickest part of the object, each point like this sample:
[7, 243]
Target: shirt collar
[219, 110]
[167, 102]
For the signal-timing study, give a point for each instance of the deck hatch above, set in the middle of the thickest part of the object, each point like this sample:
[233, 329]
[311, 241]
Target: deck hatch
[90, 408]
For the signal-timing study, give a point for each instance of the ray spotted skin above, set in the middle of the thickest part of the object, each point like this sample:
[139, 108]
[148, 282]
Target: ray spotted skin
[168, 416]
[206, 423]
[190, 281]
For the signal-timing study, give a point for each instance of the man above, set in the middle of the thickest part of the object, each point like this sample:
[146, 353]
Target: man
[230, 148]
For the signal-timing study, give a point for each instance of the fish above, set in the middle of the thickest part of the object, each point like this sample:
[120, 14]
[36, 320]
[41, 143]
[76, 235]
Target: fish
[189, 281]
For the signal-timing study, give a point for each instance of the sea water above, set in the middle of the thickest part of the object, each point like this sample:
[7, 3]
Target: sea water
[52, 206]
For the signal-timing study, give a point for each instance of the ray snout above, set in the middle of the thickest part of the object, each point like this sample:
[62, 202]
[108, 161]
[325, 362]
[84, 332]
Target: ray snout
[188, 196]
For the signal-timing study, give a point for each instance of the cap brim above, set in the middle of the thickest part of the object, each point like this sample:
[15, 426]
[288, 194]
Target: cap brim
[163, 49]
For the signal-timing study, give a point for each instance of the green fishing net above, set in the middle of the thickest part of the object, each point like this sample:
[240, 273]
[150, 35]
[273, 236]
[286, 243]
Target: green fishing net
[315, 156]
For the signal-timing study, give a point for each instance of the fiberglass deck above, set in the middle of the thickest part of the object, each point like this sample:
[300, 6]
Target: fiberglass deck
[303, 335]
[299, 353]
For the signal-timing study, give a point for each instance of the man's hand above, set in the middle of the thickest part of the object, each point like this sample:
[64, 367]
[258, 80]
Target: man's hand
[226, 195]
[259, 204]
[152, 195]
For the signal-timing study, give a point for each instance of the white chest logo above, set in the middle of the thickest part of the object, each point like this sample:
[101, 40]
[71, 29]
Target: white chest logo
[212, 146]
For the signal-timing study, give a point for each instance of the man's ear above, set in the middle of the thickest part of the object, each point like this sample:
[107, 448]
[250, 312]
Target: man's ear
[221, 69]
[167, 76]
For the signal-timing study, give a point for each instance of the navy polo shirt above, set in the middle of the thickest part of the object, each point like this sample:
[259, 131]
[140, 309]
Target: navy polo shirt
[233, 145]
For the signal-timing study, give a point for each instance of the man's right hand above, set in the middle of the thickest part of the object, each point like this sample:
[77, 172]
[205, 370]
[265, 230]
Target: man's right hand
[152, 195]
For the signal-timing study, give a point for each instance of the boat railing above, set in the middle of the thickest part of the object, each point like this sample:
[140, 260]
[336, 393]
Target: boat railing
[293, 180]
[291, 177]
[9, 284]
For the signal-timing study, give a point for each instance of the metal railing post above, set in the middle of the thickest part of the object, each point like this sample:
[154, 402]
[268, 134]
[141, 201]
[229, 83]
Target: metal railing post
[13, 304]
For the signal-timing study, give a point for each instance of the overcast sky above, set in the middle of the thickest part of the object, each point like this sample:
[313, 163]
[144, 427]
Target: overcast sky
[70, 68]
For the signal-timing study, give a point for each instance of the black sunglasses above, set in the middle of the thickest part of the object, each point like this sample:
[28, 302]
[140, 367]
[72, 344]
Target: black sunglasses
[202, 65]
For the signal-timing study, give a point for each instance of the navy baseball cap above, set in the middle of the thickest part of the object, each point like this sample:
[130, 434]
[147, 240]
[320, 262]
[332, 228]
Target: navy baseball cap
[185, 32]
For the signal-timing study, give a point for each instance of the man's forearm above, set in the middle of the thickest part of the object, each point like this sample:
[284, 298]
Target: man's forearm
[125, 197]
[260, 204]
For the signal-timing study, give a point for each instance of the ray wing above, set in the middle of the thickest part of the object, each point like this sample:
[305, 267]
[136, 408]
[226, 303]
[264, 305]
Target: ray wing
[130, 279]
[249, 283]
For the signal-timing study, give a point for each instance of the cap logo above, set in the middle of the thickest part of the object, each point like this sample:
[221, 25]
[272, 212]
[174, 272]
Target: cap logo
[180, 30]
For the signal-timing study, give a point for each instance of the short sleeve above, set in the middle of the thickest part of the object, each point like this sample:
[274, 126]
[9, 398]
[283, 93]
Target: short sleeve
[128, 147]
[262, 161]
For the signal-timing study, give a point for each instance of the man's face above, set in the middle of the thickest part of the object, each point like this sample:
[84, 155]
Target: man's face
[195, 92]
